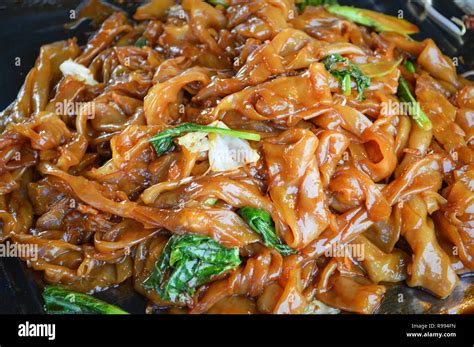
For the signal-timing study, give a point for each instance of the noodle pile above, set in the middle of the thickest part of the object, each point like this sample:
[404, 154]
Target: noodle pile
[332, 168]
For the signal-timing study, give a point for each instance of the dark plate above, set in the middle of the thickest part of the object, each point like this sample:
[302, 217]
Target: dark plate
[26, 25]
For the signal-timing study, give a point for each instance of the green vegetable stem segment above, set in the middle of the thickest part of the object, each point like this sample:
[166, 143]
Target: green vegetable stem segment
[410, 66]
[302, 4]
[163, 141]
[376, 20]
[218, 2]
[414, 109]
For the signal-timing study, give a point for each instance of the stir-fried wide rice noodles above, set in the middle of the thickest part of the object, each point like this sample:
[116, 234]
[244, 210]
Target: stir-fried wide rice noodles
[310, 189]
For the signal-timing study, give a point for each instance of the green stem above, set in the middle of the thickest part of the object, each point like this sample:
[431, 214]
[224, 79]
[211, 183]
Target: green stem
[410, 66]
[414, 109]
[163, 141]
[189, 127]
[346, 85]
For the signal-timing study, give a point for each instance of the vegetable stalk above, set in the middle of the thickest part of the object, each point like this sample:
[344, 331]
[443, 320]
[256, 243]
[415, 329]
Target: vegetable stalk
[414, 109]
[376, 20]
[163, 141]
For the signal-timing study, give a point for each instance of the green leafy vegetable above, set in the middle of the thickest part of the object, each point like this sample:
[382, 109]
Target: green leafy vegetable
[218, 2]
[163, 142]
[261, 222]
[348, 69]
[410, 66]
[187, 262]
[376, 20]
[304, 3]
[142, 42]
[414, 108]
[58, 300]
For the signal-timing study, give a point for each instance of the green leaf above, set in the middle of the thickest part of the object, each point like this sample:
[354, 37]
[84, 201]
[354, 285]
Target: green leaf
[163, 141]
[202, 247]
[58, 300]
[141, 42]
[261, 222]
[376, 20]
[348, 69]
[410, 66]
[218, 2]
[188, 261]
[302, 4]
[414, 109]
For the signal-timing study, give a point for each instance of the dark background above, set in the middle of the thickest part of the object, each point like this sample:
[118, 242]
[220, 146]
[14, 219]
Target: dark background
[26, 25]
